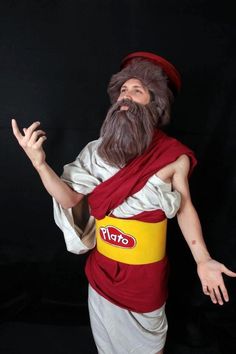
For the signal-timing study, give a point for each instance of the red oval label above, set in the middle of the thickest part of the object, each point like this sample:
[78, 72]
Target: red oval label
[116, 237]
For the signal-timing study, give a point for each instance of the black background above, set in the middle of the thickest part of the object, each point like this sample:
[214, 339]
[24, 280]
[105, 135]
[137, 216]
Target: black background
[56, 58]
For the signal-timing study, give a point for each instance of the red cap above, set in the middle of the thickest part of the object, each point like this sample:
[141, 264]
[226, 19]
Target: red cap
[168, 68]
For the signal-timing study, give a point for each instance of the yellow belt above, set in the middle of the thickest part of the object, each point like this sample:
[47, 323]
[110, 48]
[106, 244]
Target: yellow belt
[131, 241]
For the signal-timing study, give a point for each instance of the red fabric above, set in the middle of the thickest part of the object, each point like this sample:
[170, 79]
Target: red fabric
[149, 216]
[139, 288]
[130, 179]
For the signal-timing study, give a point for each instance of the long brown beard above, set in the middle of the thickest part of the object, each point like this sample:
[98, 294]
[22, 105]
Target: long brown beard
[127, 133]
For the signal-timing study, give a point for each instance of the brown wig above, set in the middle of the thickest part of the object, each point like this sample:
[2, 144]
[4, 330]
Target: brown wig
[153, 77]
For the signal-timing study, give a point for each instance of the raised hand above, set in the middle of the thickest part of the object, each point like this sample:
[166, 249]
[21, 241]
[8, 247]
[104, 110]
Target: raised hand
[210, 274]
[31, 142]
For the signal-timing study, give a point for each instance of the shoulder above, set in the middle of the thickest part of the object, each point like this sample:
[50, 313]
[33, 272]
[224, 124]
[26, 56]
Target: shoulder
[182, 165]
[183, 162]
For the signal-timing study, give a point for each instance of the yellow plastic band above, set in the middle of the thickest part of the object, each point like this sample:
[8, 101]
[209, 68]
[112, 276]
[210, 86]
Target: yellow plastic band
[131, 241]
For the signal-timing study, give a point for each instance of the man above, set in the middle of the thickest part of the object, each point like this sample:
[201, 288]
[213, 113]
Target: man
[134, 177]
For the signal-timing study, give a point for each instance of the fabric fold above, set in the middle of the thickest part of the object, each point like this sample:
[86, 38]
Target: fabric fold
[131, 178]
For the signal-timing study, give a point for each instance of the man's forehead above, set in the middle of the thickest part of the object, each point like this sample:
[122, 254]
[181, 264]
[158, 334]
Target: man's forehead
[133, 82]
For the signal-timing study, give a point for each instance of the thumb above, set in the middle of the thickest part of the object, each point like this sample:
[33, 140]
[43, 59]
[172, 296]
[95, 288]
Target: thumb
[228, 272]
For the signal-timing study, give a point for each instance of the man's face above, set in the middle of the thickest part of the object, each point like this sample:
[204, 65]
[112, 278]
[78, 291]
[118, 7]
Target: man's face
[134, 90]
[129, 124]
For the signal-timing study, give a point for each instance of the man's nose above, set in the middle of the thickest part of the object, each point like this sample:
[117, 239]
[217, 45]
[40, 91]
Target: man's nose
[128, 96]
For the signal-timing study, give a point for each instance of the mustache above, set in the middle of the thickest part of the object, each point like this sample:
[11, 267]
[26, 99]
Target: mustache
[133, 107]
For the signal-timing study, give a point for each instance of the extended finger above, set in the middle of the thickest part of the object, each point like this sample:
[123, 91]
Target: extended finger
[224, 292]
[205, 290]
[218, 296]
[34, 137]
[16, 130]
[213, 297]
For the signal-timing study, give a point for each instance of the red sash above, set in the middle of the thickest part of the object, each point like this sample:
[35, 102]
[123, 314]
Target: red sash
[130, 179]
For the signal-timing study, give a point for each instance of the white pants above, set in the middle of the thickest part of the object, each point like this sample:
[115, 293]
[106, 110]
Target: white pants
[119, 331]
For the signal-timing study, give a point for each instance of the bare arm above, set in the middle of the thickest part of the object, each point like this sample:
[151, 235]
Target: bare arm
[209, 270]
[187, 216]
[31, 142]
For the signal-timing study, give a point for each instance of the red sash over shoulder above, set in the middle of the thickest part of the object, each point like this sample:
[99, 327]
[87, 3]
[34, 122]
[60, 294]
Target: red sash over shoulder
[140, 288]
[130, 179]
